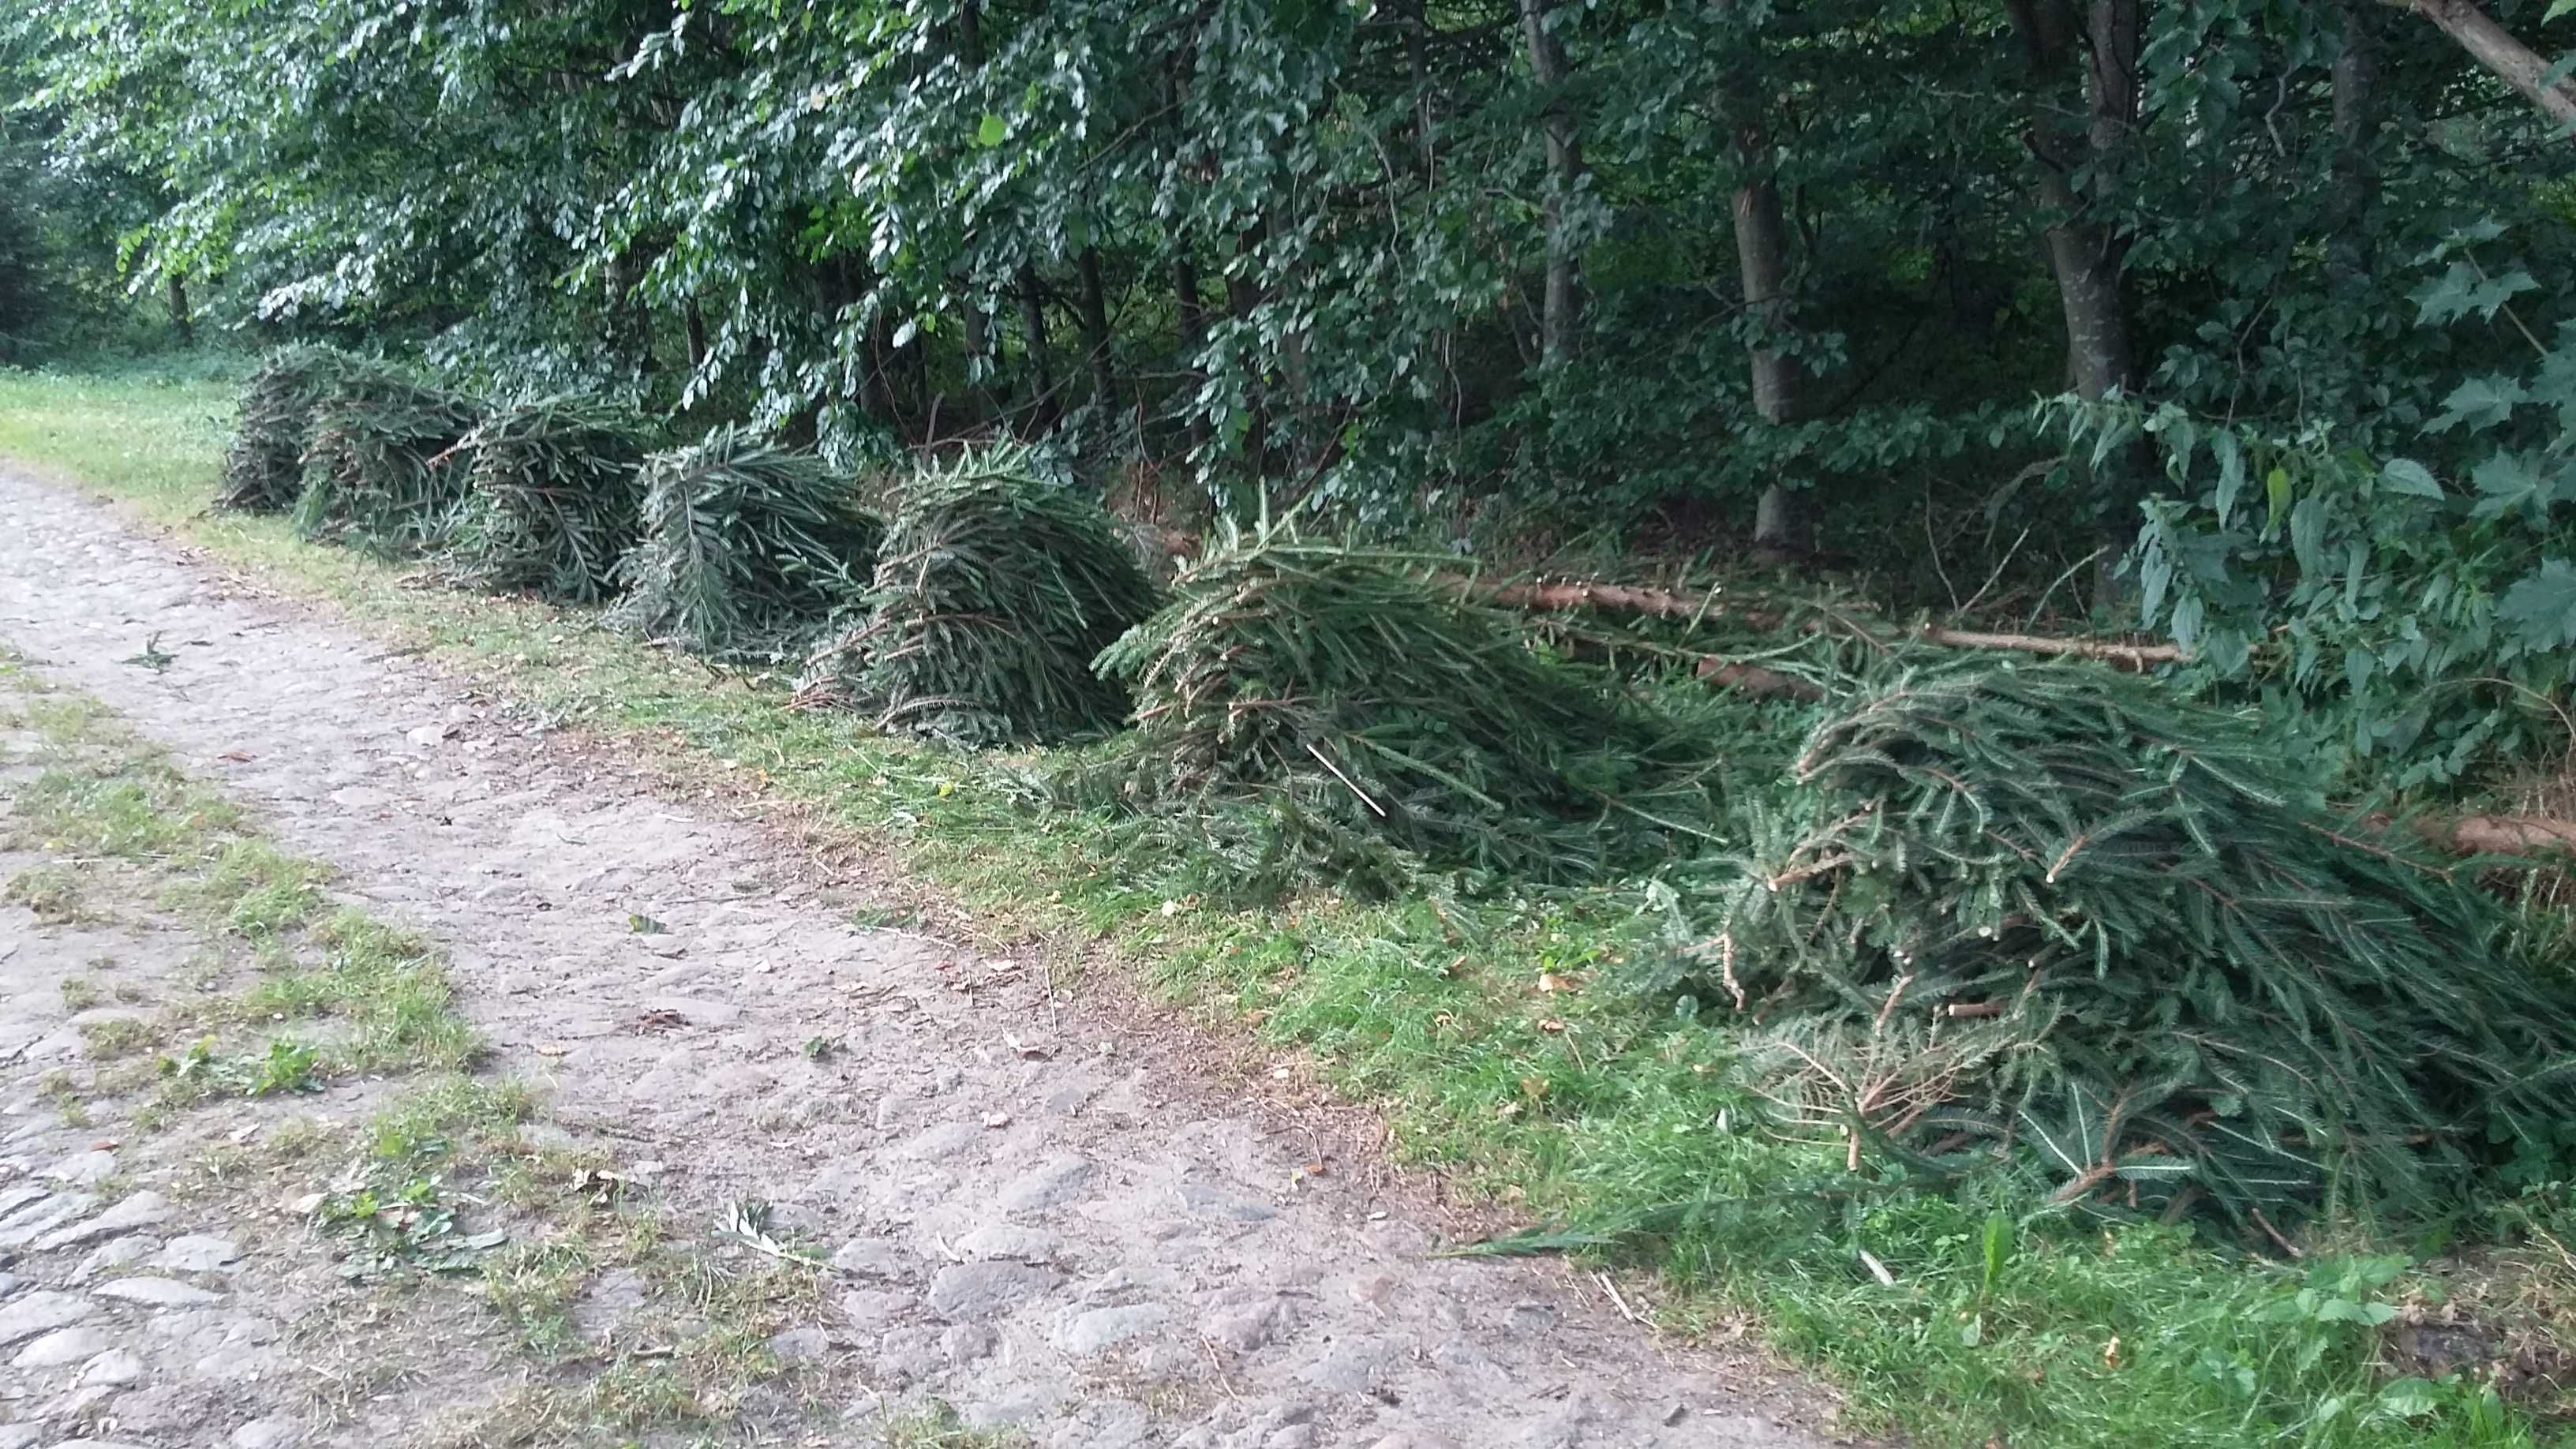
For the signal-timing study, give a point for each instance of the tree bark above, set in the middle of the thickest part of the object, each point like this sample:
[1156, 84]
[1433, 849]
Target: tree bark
[2083, 254]
[2495, 47]
[978, 323]
[1095, 332]
[693, 331]
[1041, 379]
[1565, 170]
[2356, 124]
[1193, 325]
[1243, 298]
[183, 321]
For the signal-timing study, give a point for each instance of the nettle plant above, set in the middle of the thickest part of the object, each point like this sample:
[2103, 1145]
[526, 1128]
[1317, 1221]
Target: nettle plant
[2417, 600]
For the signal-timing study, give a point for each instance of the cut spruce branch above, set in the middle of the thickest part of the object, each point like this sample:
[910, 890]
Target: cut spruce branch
[264, 468]
[748, 550]
[1355, 701]
[382, 469]
[2051, 914]
[553, 501]
[997, 587]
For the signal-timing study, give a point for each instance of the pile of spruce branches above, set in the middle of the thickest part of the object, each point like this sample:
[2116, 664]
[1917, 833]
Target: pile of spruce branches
[2053, 915]
[1357, 699]
[264, 470]
[383, 468]
[747, 549]
[997, 586]
[553, 500]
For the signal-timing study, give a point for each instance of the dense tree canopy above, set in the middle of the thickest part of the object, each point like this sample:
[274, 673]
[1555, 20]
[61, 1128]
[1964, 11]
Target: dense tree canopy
[2293, 273]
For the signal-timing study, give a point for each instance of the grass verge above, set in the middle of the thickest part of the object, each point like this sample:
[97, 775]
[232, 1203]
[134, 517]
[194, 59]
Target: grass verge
[1476, 1028]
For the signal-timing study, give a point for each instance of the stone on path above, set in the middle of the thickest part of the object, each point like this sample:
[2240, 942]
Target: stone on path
[274, 1432]
[971, 1291]
[116, 1366]
[44, 1217]
[138, 1211]
[83, 1169]
[62, 1346]
[41, 1312]
[157, 1292]
[200, 1253]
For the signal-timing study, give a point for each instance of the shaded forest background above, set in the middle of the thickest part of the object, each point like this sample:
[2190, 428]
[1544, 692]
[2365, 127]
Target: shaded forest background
[2238, 323]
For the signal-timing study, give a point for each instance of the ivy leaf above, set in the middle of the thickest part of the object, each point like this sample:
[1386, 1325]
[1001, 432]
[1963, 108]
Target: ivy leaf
[2405, 475]
[2541, 607]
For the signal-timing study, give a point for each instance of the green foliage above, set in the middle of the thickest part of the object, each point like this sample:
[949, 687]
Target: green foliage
[384, 467]
[2050, 911]
[1357, 699]
[997, 586]
[555, 501]
[748, 548]
[264, 469]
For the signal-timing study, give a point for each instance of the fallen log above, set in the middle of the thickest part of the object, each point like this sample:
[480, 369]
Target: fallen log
[2500, 834]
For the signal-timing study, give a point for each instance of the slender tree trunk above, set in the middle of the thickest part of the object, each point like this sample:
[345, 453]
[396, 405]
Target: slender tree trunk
[978, 323]
[1095, 332]
[2085, 256]
[1243, 298]
[2356, 122]
[1565, 170]
[1783, 519]
[1193, 324]
[2496, 48]
[693, 329]
[1041, 379]
[183, 321]
[876, 385]
[1417, 63]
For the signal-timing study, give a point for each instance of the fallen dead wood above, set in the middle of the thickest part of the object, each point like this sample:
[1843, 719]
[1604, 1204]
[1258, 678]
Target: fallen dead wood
[2500, 834]
[1672, 604]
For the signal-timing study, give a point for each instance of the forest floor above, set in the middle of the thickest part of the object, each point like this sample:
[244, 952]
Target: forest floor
[385, 1066]
[1463, 1065]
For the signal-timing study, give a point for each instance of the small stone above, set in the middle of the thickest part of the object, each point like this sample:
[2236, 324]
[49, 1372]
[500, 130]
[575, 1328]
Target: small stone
[964, 1343]
[1102, 1329]
[1047, 1184]
[18, 1197]
[114, 1253]
[117, 1366]
[800, 1345]
[972, 1291]
[44, 1217]
[872, 1258]
[1004, 1241]
[1676, 1414]
[869, 1309]
[140, 1210]
[1295, 1436]
[1413, 1439]
[20, 1436]
[82, 1169]
[200, 1253]
[156, 1292]
[64, 1345]
[40, 1312]
[1244, 1327]
[274, 1432]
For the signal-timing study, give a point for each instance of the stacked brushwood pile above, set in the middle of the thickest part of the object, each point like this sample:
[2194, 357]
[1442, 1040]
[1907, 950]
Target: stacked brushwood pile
[2054, 916]
[382, 468]
[997, 587]
[264, 471]
[553, 500]
[1357, 699]
[748, 549]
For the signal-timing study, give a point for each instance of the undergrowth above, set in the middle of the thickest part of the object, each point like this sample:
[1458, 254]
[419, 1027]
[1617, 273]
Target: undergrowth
[1486, 1032]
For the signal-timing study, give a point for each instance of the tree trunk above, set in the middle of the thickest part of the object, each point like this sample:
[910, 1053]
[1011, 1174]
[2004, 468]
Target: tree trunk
[2083, 254]
[1193, 324]
[1095, 332]
[693, 329]
[978, 323]
[1243, 298]
[2495, 47]
[1565, 169]
[1046, 407]
[182, 320]
[2356, 123]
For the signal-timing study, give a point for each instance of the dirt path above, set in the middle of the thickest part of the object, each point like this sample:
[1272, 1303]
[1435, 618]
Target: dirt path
[1057, 1238]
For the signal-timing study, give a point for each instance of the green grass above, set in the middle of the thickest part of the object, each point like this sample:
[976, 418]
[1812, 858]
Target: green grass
[1575, 1102]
